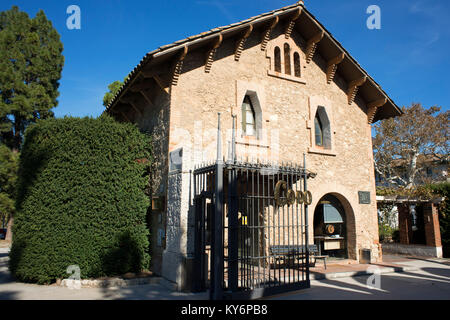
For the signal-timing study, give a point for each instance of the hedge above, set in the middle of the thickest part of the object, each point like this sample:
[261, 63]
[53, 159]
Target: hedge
[81, 200]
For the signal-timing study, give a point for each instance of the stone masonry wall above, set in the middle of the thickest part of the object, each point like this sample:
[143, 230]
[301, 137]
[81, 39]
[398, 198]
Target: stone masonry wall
[286, 124]
[155, 121]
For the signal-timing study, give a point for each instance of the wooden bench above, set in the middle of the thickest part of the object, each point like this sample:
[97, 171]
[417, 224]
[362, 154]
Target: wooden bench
[283, 253]
[280, 253]
[314, 251]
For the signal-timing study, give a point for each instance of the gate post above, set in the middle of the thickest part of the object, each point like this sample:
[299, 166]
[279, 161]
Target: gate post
[216, 292]
[232, 231]
[305, 188]
[232, 216]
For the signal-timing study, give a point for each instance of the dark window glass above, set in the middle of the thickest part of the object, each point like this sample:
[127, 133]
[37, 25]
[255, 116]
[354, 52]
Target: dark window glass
[277, 59]
[297, 64]
[318, 130]
[287, 59]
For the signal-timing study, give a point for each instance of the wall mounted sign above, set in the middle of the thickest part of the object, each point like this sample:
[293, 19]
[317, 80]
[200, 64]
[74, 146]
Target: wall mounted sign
[364, 197]
[176, 160]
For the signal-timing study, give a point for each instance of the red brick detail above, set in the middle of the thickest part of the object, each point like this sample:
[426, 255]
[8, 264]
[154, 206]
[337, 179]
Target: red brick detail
[431, 221]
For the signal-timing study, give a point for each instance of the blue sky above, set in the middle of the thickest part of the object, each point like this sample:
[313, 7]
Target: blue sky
[408, 57]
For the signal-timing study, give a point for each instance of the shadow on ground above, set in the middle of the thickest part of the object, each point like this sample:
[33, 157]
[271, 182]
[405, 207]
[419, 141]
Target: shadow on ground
[5, 278]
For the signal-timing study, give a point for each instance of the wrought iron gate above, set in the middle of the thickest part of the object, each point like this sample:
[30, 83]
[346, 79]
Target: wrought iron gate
[251, 235]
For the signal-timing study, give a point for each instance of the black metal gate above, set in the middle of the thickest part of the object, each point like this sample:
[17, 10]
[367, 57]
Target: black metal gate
[251, 234]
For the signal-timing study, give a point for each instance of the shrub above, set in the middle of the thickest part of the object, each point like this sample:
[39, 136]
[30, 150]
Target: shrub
[81, 200]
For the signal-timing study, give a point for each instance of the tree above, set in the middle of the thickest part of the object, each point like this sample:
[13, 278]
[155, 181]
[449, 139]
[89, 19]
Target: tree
[9, 162]
[113, 89]
[31, 63]
[400, 141]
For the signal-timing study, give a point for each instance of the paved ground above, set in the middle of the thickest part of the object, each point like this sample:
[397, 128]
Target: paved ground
[430, 279]
[11, 290]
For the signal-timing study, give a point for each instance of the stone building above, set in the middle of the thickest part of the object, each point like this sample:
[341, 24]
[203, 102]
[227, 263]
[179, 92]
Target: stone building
[289, 88]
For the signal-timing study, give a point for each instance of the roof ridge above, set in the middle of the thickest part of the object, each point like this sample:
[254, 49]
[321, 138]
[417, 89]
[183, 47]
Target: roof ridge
[133, 75]
[195, 37]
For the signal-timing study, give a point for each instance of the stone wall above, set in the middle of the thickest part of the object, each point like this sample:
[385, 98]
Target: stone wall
[155, 121]
[286, 107]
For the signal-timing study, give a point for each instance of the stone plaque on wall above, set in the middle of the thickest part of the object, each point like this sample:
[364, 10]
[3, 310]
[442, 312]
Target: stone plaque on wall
[364, 197]
[176, 160]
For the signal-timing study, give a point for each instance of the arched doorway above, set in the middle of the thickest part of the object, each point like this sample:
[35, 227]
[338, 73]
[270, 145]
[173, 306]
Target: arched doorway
[331, 227]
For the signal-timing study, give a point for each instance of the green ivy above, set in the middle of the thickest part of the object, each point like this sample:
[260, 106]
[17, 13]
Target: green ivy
[80, 200]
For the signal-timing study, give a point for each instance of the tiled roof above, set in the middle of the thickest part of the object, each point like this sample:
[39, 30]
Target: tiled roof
[208, 35]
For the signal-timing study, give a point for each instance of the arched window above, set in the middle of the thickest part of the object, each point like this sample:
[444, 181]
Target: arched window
[297, 64]
[248, 117]
[322, 129]
[277, 59]
[318, 130]
[287, 59]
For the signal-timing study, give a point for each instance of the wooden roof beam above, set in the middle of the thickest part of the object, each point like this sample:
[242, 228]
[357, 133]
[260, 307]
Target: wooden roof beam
[241, 42]
[124, 116]
[353, 88]
[266, 34]
[290, 25]
[129, 100]
[178, 67]
[161, 83]
[146, 97]
[312, 45]
[372, 108]
[212, 52]
[140, 88]
[332, 66]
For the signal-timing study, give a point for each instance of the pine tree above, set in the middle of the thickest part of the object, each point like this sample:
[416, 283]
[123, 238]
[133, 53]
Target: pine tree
[9, 162]
[31, 63]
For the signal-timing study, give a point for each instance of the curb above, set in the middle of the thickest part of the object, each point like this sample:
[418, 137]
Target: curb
[347, 274]
[109, 283]
[117, 283]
